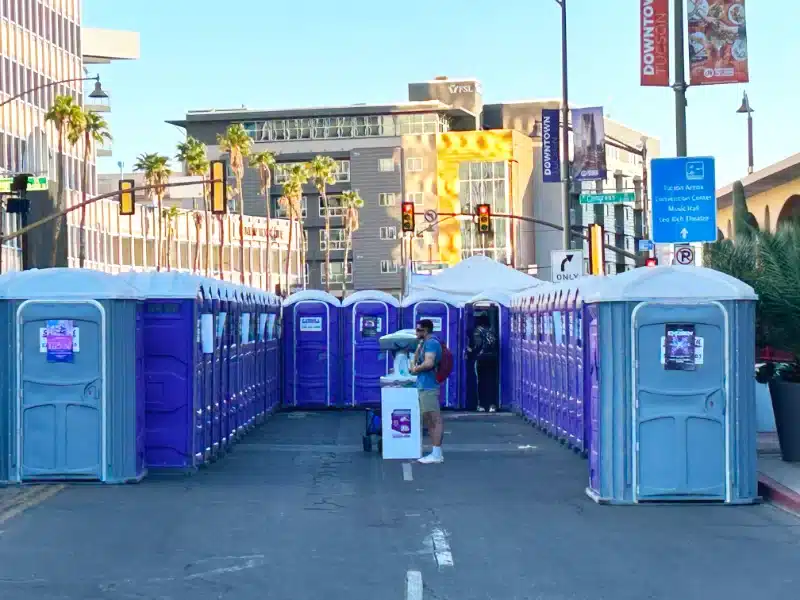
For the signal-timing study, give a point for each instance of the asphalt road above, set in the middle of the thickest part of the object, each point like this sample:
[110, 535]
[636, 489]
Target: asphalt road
[297, 511]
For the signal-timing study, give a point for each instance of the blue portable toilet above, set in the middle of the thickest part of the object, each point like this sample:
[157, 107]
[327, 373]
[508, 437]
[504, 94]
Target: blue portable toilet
[311, 346]
[676, 420]
[444, 311]
[178, 354]
[74, 394]
[366, 315]
[497, 305]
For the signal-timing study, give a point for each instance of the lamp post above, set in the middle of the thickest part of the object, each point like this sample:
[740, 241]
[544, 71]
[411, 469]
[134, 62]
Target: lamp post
[746, 109]
[565, 174]
[97, 93]
[680, 85]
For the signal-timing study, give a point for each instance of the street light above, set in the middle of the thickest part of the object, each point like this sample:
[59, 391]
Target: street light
[96, 93]
[746, 109]
[565, 174]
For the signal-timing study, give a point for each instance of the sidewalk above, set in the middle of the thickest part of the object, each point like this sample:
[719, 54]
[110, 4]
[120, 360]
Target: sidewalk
[778, 481]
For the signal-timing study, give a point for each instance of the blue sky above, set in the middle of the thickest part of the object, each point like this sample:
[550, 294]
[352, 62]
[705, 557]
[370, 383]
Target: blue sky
[199, 54]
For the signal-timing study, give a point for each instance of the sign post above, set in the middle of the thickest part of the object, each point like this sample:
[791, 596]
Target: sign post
[684, 204]
[566, 265]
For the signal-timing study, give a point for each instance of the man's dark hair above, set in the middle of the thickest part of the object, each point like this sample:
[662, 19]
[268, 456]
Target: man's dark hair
[426, 324]
[482, 320]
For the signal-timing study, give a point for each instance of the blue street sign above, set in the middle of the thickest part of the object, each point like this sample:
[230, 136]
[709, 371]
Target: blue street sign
[684, 200]
[646, 245]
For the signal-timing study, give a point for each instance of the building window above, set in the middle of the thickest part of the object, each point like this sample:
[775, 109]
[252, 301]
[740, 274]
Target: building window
[386, 165]
[282, 171]
[387, 199]
[415, 197]
[282, 213]
[484, 183]
[414, 164]
[389, 266]
[338, 239]
[334, 208]
[305, 241]
[388, 233]
[337, 272]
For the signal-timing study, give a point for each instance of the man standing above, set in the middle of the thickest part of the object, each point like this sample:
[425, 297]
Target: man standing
[426, 362]
[483, 350]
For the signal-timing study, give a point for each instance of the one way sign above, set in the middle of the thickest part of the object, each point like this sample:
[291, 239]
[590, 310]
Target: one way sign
[566, 265]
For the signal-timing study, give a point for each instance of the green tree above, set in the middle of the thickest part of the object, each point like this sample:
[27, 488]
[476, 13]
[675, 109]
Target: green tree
[92, 129]
[265, 162]
[63, 114]
[744, 223]
[352, 204]
[192, 153]
[156, 173]
[236, 143]
[169, 216]
[322, 171]
[292, 203]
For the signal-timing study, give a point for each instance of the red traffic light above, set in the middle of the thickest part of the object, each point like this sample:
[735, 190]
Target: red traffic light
[483, 209]
[408, 207]
[651, 262]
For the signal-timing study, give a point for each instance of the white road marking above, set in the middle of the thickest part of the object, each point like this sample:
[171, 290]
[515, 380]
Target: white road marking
[413, 585]
[441, 548]
[407, 474]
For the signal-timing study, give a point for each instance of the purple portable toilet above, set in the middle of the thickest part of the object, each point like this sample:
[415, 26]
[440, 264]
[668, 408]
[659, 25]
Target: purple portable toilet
[221, 400]
[260, 329]
[516, 357]
[573, 428]
[177, 341]
[497, 305]
[366, 316]
[311, 336]
[272, 351]
[562, 378]
[444, 311]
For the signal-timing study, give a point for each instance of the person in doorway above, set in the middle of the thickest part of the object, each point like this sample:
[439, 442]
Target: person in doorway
[483, 350]
[426, 362]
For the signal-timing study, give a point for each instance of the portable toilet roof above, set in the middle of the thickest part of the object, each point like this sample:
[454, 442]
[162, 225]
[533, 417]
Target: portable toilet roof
[475, 275]
[430, 296]
[492, 296]
[69, 284]
[371, 295]
[174, 284]
[671, 282]
[311, 296]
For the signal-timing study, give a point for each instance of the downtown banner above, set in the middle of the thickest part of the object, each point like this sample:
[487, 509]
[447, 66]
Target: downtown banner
[551, 146]
[589, 140]
[717, 42]
[654, 38]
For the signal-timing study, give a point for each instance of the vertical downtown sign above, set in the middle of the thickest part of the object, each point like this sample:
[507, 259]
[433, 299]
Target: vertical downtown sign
[551, 158]
[654, 25]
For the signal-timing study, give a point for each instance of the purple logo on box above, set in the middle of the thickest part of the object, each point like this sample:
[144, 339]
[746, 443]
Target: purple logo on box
[401, 422]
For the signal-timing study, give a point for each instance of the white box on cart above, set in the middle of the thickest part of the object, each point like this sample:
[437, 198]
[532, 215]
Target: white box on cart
[401, 423]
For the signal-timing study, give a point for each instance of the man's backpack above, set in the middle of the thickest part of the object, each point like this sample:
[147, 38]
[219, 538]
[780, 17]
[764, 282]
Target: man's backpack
[445, 364]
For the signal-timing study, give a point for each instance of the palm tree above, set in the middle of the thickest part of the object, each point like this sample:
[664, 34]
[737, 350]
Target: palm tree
[236, 143]
[169, 215]
[352, 203]
[265, 162]
[323, 173]
[63, 114]
[292, 190]
[198, 227]
[92, 128]
[299, 173]
[156, 173]
[192, 153]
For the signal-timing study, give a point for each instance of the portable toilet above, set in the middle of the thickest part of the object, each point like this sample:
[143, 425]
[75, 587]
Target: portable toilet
[273, 353]
[74, 394]
[177, 353]
[444, 311]
[676, 352]
[311, 336]
[497, 307]
[367, 315]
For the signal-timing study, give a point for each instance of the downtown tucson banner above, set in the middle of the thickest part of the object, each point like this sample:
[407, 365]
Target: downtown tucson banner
[588, 132]
[717, 42]
[654, 32]
[551, 137]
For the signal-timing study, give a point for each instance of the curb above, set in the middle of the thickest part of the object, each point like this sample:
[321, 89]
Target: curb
[778, 494]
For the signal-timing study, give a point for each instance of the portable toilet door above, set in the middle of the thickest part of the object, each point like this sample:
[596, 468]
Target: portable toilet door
[496, 306]
[273, 353]
[248, 359]
[260, 324]
[210, 361]
[312, 349]
[367, 315]
[562, 375]
[222, 332]
[235, 362]
[444, 313]
[573, 434]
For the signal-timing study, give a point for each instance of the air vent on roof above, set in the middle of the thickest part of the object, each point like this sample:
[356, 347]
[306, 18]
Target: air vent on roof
[440, 78]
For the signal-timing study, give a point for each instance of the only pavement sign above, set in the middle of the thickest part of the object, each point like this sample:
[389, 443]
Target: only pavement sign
[684, 200]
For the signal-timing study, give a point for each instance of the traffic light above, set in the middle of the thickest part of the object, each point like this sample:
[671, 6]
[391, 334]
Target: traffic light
[219, 188]
[484, 218]
[127, 198]
[597, 250]
[408, 217]
[19, 184]
[651, 261]
[19, 203]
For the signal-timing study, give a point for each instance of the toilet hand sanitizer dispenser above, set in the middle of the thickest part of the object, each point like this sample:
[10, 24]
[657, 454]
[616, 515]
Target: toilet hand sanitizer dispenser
[402, 344]
[400, 415]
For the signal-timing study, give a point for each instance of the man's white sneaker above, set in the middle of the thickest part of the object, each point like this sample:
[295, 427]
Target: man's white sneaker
[431, 459]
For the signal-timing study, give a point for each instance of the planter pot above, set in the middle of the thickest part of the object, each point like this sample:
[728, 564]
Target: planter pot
[786, 405]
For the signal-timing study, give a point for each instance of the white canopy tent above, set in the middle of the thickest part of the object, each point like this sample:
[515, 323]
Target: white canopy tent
[473, 276]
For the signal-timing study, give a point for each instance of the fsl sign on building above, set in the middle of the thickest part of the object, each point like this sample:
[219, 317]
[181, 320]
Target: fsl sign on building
[654, 20]
[551, 160]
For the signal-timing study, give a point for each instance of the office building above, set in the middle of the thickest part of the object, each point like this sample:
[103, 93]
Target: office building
[444, 150]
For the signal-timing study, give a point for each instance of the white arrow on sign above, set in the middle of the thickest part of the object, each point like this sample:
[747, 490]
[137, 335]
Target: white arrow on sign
[684, 233]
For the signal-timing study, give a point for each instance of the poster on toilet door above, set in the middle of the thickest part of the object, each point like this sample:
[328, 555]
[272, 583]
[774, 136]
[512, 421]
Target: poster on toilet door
[679, 348]
[59, 341]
